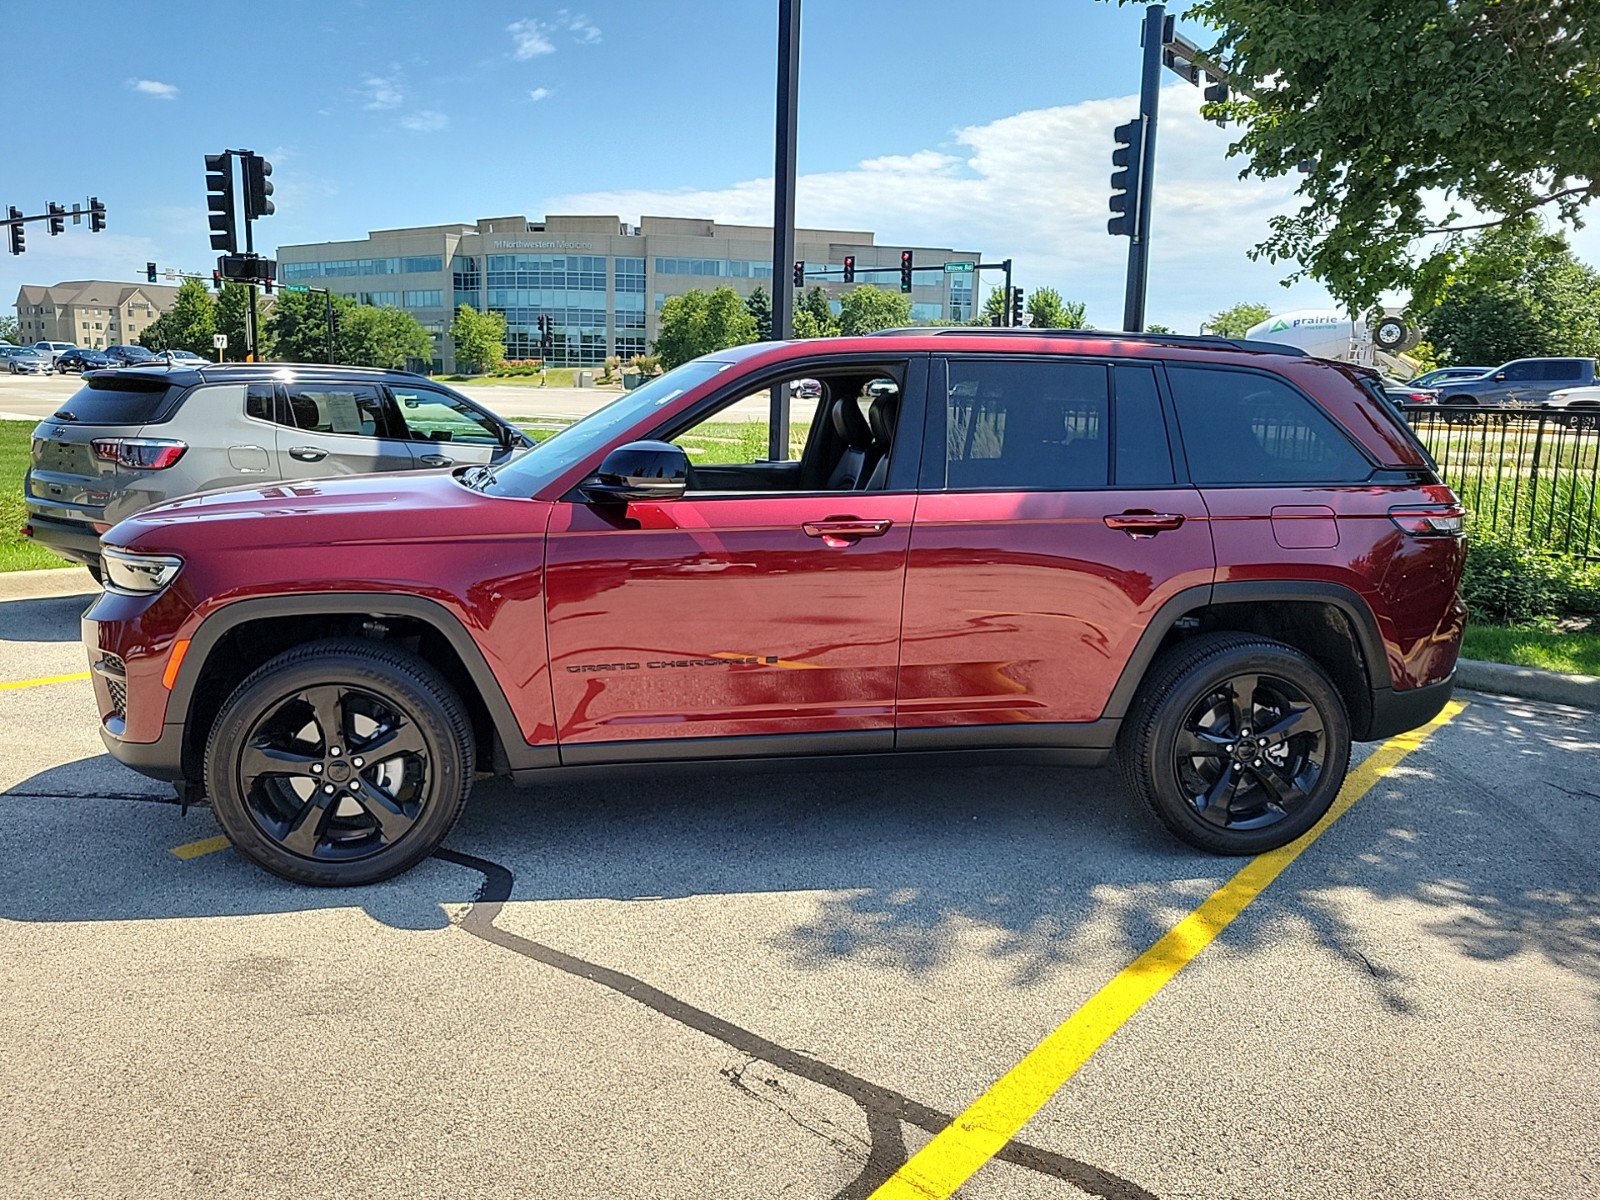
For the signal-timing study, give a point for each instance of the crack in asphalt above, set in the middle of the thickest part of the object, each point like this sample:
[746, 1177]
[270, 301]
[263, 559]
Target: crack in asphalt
[886, 1110]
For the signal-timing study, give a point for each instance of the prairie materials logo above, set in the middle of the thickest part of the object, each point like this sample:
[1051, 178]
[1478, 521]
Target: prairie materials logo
[1304, 323]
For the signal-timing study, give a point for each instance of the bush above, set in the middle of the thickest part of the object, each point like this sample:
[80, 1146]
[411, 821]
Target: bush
[1508, 582]
[646, 364]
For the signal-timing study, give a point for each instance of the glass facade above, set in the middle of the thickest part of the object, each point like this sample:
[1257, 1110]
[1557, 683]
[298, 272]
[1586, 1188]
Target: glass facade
[729, 268]
[299, 272]
[466, 278]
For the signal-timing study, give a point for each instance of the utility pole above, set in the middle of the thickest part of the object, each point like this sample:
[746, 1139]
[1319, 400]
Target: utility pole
[783, 242]
[1153, 38]
[1005, 311]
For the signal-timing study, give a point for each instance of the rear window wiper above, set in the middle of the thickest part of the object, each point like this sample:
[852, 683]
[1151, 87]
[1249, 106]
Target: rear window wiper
[64, 415]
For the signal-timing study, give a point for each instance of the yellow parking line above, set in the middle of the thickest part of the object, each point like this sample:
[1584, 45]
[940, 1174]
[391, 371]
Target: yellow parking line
[208, 845]
[22, 683]
[995, 1117]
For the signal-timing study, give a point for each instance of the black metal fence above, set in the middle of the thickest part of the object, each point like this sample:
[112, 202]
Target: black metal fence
[1532, 474]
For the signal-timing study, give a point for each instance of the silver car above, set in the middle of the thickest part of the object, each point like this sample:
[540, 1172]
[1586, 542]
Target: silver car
[25, 360]
[137, 436]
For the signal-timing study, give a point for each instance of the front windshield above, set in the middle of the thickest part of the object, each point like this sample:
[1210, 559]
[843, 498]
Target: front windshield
[529, 473]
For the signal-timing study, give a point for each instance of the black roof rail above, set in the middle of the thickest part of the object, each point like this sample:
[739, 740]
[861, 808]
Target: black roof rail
[309, 368]
[1198, 340]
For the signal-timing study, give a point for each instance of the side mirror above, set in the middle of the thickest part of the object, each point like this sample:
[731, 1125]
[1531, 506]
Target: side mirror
[639, 471]
[1500, 376]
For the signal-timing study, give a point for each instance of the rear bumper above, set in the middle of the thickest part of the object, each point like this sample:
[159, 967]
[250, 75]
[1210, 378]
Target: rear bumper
[1397, 711]
[73, 540]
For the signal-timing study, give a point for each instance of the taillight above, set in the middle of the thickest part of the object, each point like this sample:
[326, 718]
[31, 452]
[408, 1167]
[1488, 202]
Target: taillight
[1430, 520]
[140, 454]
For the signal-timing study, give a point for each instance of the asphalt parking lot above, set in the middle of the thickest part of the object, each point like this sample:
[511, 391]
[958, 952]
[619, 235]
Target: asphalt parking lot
[787, 985]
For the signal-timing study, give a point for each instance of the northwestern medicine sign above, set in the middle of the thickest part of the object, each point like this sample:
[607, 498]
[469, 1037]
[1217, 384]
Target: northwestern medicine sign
[541, 244]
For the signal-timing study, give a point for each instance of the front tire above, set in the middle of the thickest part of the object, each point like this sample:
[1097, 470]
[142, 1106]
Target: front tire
[340, 763]
[1238, 744]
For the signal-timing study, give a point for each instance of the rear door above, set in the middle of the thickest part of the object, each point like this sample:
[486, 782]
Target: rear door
[340, 428]
[1050, 529]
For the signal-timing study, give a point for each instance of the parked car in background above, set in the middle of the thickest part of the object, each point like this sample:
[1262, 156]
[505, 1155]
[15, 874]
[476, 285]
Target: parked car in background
[1407, 393]
[1440, 376]
[53, 350]
[1581, 404]
[83, 360]
[25, 360]
[140, 435]
[129, 356]
[988, 542]
[1521, 382]
[183, 358]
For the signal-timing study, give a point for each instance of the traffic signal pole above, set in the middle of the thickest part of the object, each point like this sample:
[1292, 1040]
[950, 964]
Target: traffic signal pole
[1153, 38]
[783, 241]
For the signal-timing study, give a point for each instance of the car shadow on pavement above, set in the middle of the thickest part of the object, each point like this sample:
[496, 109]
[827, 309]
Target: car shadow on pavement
[46, 619]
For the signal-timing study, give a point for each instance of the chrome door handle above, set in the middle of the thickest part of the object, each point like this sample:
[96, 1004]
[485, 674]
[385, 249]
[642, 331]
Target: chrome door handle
[307, 453]
[1143, 523]
[436, 460]
[845, 531]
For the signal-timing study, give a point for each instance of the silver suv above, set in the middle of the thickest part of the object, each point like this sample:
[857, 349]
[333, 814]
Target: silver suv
[140, 435]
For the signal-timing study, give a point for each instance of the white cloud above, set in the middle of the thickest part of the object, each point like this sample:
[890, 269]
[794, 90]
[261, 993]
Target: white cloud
[1033, 187]
[382, 91]
[530, 38]
[424, 121]
[539, 93]
[152, 87]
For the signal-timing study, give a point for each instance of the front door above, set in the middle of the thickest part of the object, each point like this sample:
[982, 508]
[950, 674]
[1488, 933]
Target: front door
[444, 430]
[340, 429]
[764, 604]
[1049, 532]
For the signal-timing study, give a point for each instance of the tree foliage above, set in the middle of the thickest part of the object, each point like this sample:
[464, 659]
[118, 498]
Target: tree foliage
[866, 308]
[384, 337]
[480, 340]
[1237, 321]
[188, 325]
[1518, 292]
[1050, 311]
[759, 305]
[700, 322]
[9, 330]
[233, 307]
[814, 318]
[1392, 104]
[299, 325]
[994, 308]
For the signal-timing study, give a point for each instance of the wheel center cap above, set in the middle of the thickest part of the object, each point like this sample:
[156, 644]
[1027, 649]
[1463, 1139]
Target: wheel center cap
[338, 770]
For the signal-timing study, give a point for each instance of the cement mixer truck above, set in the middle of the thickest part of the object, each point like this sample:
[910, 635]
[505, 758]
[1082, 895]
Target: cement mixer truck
[1327, 333]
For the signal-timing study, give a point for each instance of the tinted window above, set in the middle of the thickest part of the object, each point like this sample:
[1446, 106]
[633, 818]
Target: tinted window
[261, 402]
[432, 416]
[342, 408]
[1563, 368]
[1519, 370]
[115, 402]
[1240, 427]
[1143, 457]
[1026, 425]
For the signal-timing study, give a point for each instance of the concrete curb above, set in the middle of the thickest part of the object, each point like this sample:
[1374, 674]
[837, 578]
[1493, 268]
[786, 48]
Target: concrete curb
[1529, 683]
[38, 585]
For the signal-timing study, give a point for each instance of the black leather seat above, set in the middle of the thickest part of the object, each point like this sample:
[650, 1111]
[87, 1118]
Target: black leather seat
[881, 418]
[856, 435]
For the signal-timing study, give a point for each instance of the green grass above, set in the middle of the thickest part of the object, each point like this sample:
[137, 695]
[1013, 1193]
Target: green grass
[17, 553]
[712, 444]
[1568, 653]
[554, 377]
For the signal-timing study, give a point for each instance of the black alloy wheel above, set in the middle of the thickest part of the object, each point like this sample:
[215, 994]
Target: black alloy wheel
[1250, 752]
[340, 763]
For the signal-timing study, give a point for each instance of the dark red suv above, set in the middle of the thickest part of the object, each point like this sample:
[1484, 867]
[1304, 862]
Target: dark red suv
[1223, 560]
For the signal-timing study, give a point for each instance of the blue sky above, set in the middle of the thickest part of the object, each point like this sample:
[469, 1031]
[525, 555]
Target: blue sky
[938, 122]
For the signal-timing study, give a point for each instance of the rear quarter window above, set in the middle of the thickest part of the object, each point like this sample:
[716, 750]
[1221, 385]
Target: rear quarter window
[1241, 427]
[116, 402]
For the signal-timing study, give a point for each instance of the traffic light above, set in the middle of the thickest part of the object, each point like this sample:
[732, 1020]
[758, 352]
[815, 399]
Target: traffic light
[216, 280]
[800, 273]
[905, 270]
[58, 217]
[1125, 178]
[220, 202]
[257, 187]
[97, 215]
[1015, 314]
[150, 272]
[1216, 92]
[333, 321]
[547, 336]
[849, 268]
[18, 242]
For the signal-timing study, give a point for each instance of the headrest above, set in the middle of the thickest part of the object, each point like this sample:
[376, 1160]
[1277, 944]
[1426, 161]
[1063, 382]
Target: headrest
[881, 417]
[850, 425]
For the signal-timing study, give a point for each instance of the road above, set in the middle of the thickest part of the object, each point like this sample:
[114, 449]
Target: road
[783, 985]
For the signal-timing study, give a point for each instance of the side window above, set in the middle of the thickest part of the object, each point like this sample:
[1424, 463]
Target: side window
[1026, 425]
[1143, 455]
[1519, 371]
[261, 402]
[431, 416]
[1563, 368]
[357, 409]
[1242, 428]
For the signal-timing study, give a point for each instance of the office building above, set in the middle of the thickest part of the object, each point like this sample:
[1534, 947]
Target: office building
[92, 313]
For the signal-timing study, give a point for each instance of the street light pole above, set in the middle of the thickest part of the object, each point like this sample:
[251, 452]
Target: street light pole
[1154, 39]
[783, 241]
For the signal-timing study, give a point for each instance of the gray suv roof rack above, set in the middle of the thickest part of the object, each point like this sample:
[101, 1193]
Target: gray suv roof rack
[1199, 340]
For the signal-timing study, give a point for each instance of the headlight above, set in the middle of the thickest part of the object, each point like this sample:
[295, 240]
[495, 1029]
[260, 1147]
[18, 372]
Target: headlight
[140, 573]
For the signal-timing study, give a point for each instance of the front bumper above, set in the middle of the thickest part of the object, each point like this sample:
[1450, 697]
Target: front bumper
[129, 641]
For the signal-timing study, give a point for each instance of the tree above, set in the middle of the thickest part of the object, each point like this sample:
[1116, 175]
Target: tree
[188, 325]
[233, 305]
[994, 308]
[867, 308]
[8, 330]
[1236, 321]
[384, 337]
[299, 326]
[759, 305]
[814, 318]
[1518, 292]
[1049, 311]
[480, 340]
[1154, 328]
[1492, 105]
[699, 322]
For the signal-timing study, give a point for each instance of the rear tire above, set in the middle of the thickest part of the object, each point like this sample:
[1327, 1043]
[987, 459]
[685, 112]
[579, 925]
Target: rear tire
[1227, 765]
[340, 763]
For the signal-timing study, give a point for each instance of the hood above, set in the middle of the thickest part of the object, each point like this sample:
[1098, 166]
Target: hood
[350, 510]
